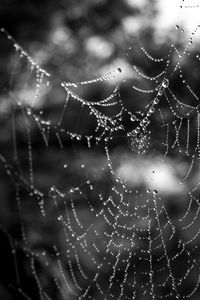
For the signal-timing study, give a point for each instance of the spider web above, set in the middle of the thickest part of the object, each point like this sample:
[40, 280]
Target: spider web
[116, 237]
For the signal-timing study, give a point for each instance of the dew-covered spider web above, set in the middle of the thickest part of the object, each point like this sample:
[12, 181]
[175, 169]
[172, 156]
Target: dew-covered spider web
[116, 187]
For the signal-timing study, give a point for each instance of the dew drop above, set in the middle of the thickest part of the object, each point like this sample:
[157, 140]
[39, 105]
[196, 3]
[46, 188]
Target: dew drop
[29, 111]
[156, 101]
[165, 83]
[152, 110]
[137, 130]
[16, 46]
[59, 218]
[133, 118]
[155, 192]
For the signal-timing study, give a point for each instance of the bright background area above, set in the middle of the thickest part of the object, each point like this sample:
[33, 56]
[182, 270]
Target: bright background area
[171, 13]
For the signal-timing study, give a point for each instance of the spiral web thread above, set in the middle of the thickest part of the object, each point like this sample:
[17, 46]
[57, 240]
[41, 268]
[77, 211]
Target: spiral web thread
[120, 246]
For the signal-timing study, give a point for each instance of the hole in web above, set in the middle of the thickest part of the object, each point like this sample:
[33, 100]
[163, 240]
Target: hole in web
[117, 233]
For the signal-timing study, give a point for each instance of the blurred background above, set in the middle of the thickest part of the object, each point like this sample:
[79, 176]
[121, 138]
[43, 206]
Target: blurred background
[77, 41]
